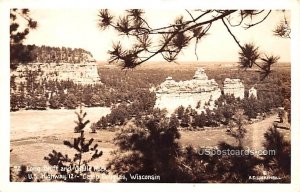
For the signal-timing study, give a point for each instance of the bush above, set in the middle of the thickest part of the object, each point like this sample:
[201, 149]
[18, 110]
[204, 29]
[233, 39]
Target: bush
[200, 120]
[95, 100]
[180, 112]
[36, 102]
[102, 123]
[71, 102]
[54, 102]
[14, 103]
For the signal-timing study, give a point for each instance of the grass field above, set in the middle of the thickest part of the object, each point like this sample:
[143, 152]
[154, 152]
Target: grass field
[32, 123]
[37, 133]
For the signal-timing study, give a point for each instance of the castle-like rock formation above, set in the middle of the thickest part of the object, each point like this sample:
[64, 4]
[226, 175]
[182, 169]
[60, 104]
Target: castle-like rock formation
[195, 93]
[199, 92]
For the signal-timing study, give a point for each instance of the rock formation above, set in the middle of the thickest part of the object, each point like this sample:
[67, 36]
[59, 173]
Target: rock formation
[253, 92]
[197, 92]
[234, 87]
[81, 73]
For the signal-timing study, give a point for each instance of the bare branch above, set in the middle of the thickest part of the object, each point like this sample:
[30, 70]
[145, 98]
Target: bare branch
[235, 39]
[195, 50]
[189, 28]
[211, 20]
[235, 25]
[190, 15]
[203, 33]
[251, 25]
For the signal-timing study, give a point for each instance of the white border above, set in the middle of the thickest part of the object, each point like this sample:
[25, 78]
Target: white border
[5, 5]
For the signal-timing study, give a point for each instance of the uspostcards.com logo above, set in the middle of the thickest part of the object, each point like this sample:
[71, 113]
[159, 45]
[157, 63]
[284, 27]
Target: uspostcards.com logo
[235, 152]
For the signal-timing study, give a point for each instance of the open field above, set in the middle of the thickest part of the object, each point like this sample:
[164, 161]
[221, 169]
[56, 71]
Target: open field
[37, 133]
[211, 137]
[32, 123]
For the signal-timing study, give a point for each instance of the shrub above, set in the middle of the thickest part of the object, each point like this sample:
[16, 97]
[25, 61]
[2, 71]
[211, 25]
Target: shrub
[70, 102]
[54, 102]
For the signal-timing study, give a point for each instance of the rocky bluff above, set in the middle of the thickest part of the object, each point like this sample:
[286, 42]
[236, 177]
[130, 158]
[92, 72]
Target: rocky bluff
[199, 92]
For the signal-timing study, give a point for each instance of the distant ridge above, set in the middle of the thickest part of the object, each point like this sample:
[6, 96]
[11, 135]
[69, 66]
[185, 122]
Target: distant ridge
[187, 65]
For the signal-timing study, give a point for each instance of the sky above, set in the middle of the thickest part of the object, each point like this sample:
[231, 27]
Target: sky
[77, 28]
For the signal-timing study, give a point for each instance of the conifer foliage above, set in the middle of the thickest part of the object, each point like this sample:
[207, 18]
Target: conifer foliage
[149, 149]
[77, 168]
[170, 40]
[80, 123]
[18, 52]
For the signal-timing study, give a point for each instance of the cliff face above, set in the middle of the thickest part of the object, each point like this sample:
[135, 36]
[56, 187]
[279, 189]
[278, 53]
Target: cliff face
[81, 73]
[195, 92]
[199, 93]
[54, 63]
[235, 87]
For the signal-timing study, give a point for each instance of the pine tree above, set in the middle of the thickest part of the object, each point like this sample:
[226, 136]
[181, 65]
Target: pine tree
[54, 102]
[18, 33]
[14, 102]
[280, 162]
[169, 40]
[240, 131]
[185, 121]
[76, 169]
[200, 120]
[180, 112]
[174, 122]
[80, 123]
[150, 149]
[71, 101]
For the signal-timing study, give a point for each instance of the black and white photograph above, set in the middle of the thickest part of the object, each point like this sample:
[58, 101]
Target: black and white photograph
[144, 95]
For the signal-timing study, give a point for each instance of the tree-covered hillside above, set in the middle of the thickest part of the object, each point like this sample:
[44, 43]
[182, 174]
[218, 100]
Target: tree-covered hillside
[47, 54]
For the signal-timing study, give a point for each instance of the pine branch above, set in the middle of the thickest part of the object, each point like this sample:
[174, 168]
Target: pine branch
[262, 20]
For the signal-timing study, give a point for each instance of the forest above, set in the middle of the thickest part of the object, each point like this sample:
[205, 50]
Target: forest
[128, 94]
[47, 54]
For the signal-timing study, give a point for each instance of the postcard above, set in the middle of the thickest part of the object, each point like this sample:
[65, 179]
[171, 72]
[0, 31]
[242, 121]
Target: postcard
[172, 97]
